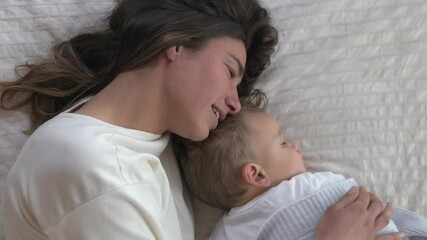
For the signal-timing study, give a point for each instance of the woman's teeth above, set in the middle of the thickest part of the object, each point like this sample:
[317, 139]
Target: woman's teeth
[216, 112]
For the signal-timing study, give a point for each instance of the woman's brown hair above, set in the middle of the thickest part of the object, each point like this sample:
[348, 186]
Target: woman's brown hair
[138, 31]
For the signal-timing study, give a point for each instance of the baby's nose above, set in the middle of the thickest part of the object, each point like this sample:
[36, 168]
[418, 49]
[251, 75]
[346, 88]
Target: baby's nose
[293, 145]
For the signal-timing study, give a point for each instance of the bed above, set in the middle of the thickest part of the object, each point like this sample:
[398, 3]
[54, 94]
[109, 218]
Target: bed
[348, 83]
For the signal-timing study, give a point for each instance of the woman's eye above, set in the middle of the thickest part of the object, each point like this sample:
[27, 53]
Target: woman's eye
[231, 71]
[284, 144]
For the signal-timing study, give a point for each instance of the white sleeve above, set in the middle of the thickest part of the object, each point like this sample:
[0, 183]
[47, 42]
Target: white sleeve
[410, 223]
[320, 180]
[130, 212]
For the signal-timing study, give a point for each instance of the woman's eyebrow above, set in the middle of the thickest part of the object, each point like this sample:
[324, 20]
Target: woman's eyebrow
[238, 63]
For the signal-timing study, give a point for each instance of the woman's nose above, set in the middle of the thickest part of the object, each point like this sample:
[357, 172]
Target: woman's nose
[233, 102]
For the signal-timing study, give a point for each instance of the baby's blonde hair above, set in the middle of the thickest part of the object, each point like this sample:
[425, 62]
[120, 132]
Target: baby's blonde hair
[213, 168]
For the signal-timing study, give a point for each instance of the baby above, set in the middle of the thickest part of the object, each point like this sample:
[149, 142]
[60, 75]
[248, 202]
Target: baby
[247, 168]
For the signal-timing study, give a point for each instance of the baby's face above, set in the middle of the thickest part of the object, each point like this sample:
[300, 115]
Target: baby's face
[280, 158]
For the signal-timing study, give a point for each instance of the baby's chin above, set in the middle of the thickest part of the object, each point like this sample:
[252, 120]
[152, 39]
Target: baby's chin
[301, 157]
[302, 168]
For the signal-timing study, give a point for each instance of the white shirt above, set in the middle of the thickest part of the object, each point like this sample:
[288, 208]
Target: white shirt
[81, 178]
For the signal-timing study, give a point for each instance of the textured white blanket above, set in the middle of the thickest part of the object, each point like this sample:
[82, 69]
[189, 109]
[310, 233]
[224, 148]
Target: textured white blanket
[348, 83]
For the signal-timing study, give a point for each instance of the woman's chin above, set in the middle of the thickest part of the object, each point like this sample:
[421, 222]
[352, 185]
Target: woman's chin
[198, 136]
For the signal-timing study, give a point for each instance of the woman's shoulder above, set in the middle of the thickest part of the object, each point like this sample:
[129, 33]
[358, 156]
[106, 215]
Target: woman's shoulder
[75, 164]
[74, 155]
[80, 131]
[65, 137]
[75, 145]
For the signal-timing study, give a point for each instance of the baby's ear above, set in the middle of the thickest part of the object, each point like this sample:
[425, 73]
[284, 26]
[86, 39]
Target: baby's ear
[255, 175]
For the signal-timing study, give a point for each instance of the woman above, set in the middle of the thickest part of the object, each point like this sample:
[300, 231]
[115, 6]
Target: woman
[106, 103]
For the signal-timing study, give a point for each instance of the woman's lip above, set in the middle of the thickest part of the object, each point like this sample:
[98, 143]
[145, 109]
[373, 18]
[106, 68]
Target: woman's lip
[222, 114]
[216, 112]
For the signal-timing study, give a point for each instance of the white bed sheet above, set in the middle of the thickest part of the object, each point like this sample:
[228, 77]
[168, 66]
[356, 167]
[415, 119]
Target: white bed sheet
[348, 83]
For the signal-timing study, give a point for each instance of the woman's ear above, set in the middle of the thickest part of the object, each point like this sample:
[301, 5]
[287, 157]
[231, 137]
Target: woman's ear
[255, 175]
[172, 52]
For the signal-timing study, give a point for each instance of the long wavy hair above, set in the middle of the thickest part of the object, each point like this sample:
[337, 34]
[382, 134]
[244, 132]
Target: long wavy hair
[138, 31]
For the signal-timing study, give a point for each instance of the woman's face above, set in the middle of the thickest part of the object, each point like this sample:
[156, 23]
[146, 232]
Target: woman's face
[203, 86]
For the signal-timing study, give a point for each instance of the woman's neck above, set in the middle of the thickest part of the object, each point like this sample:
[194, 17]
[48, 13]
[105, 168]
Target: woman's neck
[133, 100]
